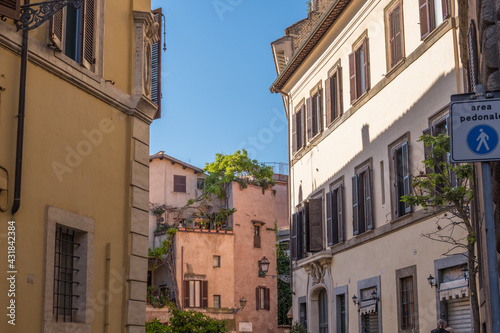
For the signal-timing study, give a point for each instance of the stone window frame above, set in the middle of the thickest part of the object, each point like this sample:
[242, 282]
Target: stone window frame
[365, 284]
[339, 291]
[387, 12]
[85, 228]
[410, 271]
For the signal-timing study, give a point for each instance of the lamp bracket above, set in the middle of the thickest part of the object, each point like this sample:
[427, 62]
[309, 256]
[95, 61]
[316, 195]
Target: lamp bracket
[35, 14]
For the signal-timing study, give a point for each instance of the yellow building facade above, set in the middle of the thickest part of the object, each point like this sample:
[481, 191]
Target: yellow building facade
[75, 248]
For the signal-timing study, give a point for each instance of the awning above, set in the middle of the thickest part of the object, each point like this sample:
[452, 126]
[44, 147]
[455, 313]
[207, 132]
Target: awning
[368, 307]
[453, 289]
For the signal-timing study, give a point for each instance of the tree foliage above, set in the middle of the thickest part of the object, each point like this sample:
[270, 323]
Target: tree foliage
[284, 292]
[239, 168]
[446, 191]
[187, 322]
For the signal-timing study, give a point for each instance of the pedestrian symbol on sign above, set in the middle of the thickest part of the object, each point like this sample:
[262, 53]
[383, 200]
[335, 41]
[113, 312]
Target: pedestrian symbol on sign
[482, 139]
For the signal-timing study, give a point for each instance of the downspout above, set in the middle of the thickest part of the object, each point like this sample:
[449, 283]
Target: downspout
[20, 122]
[181, 301]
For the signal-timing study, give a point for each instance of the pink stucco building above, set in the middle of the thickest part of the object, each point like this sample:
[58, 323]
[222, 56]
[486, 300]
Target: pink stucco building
[216, 269]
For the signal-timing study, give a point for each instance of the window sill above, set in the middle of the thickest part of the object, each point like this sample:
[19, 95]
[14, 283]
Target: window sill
[361, 98]
[430, 36]
[396, 69]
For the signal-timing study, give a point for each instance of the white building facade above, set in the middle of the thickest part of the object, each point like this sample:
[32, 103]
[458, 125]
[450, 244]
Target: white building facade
[361, 81]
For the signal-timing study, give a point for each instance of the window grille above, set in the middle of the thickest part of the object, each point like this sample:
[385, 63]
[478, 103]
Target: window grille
[64, 271]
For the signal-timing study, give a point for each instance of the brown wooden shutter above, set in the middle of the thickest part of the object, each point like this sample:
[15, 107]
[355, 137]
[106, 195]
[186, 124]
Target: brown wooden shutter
[428, 150]
[305, 228]
[369, 204]
[10, 8]
[294, 237]
[179, 183]
[294, 133]
[355, 206]
[204, 294]
[366, 64]
[309, 118]
[340, 214]
[338, 97]
[425, 23]
[300, 235]
[256, 241]
[335, 220]
[328, 100]
[56, 34]
[329, 222]
[444, 6]
[406, 174]
[257, 298]
[300, 128]
[315, 225]
[267, 299]
[352, 76]
[156, 65]
[398, 37]
[186, 294]
[88, 40]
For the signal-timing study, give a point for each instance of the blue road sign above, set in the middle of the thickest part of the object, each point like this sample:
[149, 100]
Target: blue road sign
[482, 139]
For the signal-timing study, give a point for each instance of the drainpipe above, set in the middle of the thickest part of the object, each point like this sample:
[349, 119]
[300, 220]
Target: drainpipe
[20, 122]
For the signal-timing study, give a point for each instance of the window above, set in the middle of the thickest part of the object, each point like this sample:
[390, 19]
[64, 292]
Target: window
[314, 115]
[361, 201]
[179, 184]
[216, 261]
[407, 299]
[298, 129]
[68, 286]
[262, 298]
[400, 177]
[10, 9]
[341, 308]
[394, 27]
[334, 215]
[217, 301]
[256, 236]
[307, 228]
[333, 94]
[72, 31]
[303, 313]
[200, 183]
[359, 70]
[440, 127]
[195, 294]
[369, 304]
[432, 14]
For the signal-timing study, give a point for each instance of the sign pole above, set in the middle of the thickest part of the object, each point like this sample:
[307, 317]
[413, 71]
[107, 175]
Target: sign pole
[490, 246]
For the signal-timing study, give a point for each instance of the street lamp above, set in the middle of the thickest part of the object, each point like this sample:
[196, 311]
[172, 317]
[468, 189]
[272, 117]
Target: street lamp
[432, 281]
[243, 302]
[264, 268]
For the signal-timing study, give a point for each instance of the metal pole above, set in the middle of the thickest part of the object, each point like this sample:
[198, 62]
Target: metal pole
[490, 246]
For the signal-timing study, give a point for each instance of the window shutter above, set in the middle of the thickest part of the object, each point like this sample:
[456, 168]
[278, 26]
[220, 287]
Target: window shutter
[355, 206]
[315, 225]
[452, 176]
[398, 37]
[257, 298]
[328, 100]
[256, 241]
[309, 118]
[366, 64]
[294, 133]
[300, 235]
[428, 150]
[406, 174]
[340, 210]
[352, 76]
[88, 40]
[329, 226]
[179, 183]
[338, 93]
[369, 207]
[267, 299]
[10, 8]
[305, 228]
[335, 217]
[425, 23]
[395, 173]
[446, 12]
[186, 294]
[156, 65]
[204, 293]
[294, 236]
[301, 127]
[56, 30]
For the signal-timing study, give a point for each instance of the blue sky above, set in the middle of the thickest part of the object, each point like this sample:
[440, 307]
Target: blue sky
[216, 75]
